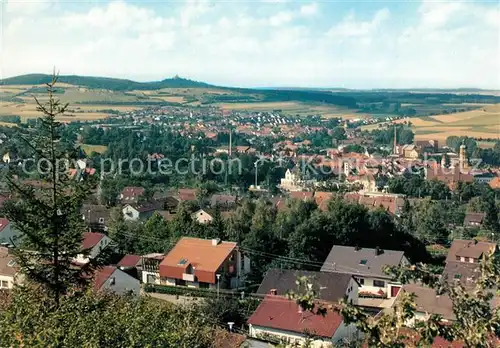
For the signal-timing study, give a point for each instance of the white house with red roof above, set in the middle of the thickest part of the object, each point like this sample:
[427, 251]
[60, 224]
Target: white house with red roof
[204, 263]
[93, 242]
[111, 278]
[9, 269]
[283, 320]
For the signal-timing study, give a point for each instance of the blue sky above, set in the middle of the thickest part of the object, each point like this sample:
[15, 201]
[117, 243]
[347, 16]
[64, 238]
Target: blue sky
[352, 44]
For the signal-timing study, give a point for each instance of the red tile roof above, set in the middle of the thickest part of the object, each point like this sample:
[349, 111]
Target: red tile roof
[129, 261]
[3, 223]
[102, 275]
[204, 257]
[495, 183]
[283, 314]
[131, 192]
[91, 239]
[469, 248]
[187, 194]
[301, 195]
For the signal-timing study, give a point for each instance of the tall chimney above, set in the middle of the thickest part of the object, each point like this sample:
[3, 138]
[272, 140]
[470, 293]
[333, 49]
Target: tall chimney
[378, 251]
[215, 241]
[274, 292]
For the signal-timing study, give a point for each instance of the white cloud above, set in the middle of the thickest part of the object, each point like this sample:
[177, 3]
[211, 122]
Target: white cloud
[259, 45]
[351, 27]
[438, 14]
[309, 9]
[24, 7]
[281, 18]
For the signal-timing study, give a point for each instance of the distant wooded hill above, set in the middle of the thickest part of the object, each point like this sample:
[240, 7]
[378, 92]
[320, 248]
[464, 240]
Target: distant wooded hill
[399, 102]
[104, 82]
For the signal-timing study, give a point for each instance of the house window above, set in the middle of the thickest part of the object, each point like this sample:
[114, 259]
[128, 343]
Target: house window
[379, 283]
[458, 258]
[361, 281]
[204, 285]
[180, 282]
[363, 262]
[151, 279]
[4, 284]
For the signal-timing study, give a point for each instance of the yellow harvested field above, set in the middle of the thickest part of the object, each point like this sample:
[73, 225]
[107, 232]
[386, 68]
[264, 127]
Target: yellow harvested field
[441, 135]
[481, 123]
[92, 107]
[264, 106]
[93, 148]
[27, 111]
[460, 116]
[486, 144]
[7, 124]
[417, 122]
[297, 108]
[170, 99]
[11, 90]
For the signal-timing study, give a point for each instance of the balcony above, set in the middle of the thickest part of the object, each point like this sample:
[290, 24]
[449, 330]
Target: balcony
[188, 277]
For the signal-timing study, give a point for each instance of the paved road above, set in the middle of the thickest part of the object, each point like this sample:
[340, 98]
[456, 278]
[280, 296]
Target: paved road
[173, 298]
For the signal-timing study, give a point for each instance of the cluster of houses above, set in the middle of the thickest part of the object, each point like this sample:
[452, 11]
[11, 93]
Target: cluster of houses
[357, 275]
[354, 273]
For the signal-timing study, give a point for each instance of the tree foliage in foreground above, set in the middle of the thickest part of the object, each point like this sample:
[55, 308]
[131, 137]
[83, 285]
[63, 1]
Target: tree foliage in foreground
[28, 318]
[477, 322]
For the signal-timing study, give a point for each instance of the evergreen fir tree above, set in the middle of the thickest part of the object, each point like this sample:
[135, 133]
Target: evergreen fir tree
[48, 213]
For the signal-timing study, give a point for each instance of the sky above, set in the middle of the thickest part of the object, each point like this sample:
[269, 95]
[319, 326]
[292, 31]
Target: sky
[258, 43]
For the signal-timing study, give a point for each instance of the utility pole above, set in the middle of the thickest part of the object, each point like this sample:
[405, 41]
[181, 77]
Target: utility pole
[256, 175]
[229, 152]
[218, 282]
[395, 140]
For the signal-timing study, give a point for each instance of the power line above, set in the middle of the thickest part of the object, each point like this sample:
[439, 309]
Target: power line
[334, 267]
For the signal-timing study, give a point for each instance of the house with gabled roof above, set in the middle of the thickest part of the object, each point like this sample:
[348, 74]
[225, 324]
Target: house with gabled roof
[204, 263]
[280, 319]
[111, 278]
[131, 194]
[367, 265]
[474, 219]
[96, 217]
[141, 211]
[463, 261]
[330, 287]
[9, 269]
[93, 244]
[185, 195]
[223, 201]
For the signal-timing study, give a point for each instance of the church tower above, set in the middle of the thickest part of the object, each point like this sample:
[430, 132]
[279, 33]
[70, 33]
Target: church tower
[462, 157]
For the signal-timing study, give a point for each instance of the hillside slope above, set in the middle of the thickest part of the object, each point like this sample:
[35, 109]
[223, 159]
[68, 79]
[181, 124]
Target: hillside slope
[113, 84]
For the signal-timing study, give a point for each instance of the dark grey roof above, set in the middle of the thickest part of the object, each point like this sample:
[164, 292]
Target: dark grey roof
[347, 259]
[427, 301]
[464, 272]
[96, 212]
[330, 286]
